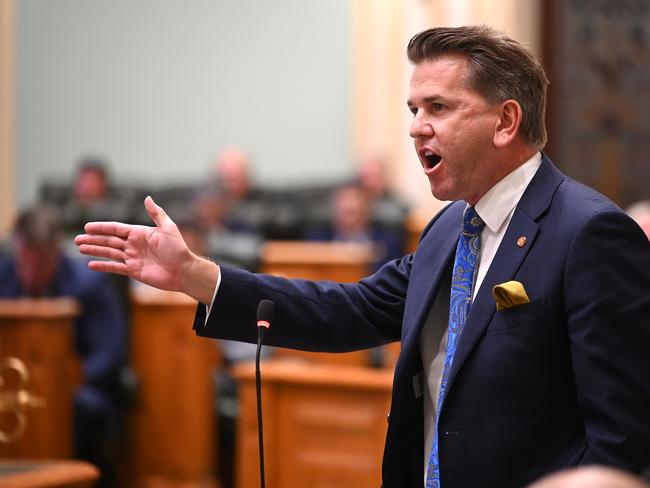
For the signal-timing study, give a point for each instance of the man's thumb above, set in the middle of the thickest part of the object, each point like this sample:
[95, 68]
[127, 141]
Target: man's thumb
[157, 214]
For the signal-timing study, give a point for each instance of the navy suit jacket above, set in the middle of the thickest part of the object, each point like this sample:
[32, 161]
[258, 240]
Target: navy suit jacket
[100, 329]
[558, 382]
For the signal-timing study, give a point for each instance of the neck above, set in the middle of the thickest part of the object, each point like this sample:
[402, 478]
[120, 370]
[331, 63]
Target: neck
[506, 164]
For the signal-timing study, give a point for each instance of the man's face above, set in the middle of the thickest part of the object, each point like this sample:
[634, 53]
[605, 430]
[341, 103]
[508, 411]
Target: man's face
[350, 210]
[90, 186]
[453, 130]
[36, 267]
[232, 170]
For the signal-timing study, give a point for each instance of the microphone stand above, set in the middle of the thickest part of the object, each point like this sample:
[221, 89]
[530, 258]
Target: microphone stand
[258, 388]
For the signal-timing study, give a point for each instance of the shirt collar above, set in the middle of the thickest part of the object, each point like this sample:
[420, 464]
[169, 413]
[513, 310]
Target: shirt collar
[500, 200]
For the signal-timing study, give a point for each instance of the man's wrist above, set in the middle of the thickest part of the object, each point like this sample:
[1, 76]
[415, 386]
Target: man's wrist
[200, 279]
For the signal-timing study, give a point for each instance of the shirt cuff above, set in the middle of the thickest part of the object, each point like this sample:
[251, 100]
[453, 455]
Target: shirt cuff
[208, 308]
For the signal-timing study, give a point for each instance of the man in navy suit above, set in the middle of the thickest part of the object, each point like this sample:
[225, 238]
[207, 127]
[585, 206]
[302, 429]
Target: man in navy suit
[350, 221]
[551, 367]
[38, 268]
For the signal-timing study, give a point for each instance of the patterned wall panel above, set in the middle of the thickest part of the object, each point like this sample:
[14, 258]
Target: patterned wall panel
[598, 57]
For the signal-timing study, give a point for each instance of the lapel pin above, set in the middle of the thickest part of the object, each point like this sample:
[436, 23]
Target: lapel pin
[521, 242]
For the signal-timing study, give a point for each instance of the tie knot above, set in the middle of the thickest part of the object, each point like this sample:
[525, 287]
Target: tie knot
[472, 223]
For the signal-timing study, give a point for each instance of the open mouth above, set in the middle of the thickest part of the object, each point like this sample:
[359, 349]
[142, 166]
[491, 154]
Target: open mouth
[431, 159]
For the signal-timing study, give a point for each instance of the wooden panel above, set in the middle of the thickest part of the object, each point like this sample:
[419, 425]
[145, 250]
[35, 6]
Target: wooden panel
[335, 261]
[324, 425]
[342, 262]
[173, 422]
[40, 334]
[598, 58]
[45, 474]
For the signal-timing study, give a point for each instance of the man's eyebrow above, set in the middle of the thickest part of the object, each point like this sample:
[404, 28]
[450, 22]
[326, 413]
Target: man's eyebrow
[428, 100]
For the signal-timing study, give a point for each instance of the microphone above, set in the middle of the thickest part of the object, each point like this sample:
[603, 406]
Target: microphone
[264, 316]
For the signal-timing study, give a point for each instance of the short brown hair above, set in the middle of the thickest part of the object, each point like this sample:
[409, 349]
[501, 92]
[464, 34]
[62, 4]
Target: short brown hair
[38, 226]
[500, 69]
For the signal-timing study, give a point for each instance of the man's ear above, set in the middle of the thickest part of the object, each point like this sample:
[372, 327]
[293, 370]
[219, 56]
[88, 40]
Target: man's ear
[507, 126]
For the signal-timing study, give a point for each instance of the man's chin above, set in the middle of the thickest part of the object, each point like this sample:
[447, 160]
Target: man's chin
[439, 193]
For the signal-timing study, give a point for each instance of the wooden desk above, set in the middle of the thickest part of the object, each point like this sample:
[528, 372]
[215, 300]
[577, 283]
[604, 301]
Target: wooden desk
[46, 474]
[173, 421]
[40, 334]
[336, 261]
[324, 425]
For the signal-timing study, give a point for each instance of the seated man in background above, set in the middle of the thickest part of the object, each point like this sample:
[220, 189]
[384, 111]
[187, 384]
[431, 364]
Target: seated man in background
[372, 176]
[228, 198]
[37, 268]
[373, 179]
[90, 196]
[90, 185]
[232, 173]
[351, 222]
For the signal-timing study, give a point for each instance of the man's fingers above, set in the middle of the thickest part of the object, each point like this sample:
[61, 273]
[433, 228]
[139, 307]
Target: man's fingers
[108, 229]
[108, 267]
[102, 252]
[156, 212]
[100, 240]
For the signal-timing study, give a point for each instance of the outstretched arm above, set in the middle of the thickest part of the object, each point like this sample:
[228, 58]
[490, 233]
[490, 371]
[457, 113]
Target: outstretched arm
[157, 256]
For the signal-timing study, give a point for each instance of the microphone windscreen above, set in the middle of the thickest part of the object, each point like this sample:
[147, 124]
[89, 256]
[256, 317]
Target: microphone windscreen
[265, 311]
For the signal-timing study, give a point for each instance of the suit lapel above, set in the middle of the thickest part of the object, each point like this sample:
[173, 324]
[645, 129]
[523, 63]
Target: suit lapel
[431, 262]
[509, 257]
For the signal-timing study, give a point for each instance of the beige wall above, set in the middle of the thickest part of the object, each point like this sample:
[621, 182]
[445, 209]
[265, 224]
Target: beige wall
[380, 73]
[381, 30]
[6, 119]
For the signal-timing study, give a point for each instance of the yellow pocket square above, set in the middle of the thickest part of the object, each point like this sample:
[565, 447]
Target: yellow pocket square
[510, 294]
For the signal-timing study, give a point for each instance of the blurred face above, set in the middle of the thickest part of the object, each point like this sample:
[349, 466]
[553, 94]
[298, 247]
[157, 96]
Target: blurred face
[37, 267]
[90, 186]
[232, 171]
[350, 210]
[208, 212]
[453, 129]
[371, 174]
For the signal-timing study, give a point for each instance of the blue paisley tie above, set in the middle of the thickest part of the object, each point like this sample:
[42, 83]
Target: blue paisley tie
[462, 280]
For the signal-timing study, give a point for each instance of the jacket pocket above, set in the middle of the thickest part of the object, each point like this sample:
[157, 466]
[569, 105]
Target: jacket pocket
[518, 316]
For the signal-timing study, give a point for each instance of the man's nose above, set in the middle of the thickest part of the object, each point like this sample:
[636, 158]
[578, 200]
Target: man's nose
[420, 127]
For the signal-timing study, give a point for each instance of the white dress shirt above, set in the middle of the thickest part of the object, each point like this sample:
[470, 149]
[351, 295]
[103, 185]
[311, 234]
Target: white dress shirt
[496, 208]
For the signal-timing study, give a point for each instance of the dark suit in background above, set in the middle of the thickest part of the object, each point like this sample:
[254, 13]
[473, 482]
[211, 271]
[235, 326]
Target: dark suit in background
[100, 342]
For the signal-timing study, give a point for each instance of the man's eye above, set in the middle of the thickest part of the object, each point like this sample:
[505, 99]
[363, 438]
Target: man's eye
[413, 110]
[437, 107]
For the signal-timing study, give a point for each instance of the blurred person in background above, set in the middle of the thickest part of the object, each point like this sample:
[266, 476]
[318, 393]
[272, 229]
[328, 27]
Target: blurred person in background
[89, 196]
[351, 222]
[234, 190]
[386, 209]
[640, 212]
[91, 182]
[38, 268]
[372, 175]
[232, 174]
